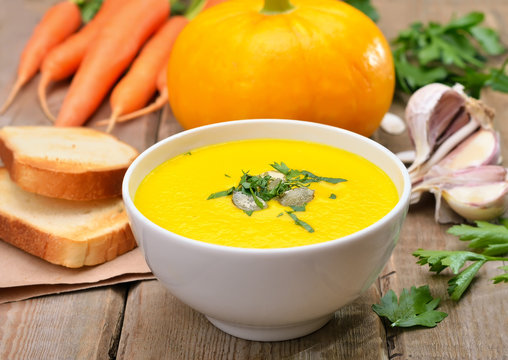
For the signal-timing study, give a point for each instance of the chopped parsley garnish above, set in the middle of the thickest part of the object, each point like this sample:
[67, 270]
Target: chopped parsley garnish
[333, 196]
[300, 222]
[187, 153]
[300, 208]
[265, 188]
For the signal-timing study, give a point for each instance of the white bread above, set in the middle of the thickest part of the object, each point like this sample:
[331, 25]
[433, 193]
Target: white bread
[64, 232]
[74, 163]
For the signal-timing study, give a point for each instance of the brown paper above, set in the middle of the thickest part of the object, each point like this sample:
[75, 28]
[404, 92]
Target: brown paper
[23, 276]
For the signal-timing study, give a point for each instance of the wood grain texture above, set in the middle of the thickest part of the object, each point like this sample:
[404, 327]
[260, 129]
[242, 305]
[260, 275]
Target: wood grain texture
[79, 325]
[474, 328]
[158, 326]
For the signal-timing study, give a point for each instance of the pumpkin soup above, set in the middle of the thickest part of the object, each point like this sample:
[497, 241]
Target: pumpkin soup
[266, 193]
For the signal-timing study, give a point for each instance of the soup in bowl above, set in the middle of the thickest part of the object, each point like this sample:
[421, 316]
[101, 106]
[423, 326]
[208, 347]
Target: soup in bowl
[267, 227]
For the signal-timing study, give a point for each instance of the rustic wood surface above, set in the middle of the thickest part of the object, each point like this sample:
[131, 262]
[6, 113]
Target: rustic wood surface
[144, 321]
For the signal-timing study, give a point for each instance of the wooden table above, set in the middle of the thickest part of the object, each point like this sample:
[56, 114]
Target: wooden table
[144, 321]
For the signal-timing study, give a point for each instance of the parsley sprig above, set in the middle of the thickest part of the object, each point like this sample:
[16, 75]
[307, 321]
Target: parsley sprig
[454, 52]
[414, 307]
[493, 239]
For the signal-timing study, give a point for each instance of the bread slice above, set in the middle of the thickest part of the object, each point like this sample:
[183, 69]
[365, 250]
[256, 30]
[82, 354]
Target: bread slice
[74, 163]
[64, 232]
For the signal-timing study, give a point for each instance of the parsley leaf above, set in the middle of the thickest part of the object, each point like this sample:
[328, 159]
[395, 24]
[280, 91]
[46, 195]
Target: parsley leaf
[454, 52]
[502, 277]
[493, 239]
[333, 196]
[300, 222]
[414, 307]
[298, 208]
[221, 193]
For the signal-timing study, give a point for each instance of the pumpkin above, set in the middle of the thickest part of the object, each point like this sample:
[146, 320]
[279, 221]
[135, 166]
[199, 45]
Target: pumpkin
[315, 60]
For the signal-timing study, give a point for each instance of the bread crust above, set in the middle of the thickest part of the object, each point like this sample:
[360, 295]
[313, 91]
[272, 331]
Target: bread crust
[42, 178]
[65, 251]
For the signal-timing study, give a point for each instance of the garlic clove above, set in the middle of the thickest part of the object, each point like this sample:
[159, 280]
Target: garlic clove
[406, 156]
[472, 175]
[481, 148]
[393, 124]
[439, 179]
[481, 202]
[429, 113]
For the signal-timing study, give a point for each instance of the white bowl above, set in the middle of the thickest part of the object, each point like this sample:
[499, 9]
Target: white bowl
[267, 294]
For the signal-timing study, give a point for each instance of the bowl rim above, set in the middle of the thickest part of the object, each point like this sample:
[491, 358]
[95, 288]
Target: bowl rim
[401, 205]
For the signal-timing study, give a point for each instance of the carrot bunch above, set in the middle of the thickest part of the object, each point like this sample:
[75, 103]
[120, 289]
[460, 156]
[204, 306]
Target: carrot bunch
[137, 35]
[59, 22]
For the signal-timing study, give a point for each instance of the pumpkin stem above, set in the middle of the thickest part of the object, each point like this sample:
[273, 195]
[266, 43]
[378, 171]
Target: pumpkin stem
[274, 7]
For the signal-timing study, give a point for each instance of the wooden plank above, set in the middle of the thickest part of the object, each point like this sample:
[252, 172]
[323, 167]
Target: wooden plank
[78, 325]
[474, 326]
[158, 326]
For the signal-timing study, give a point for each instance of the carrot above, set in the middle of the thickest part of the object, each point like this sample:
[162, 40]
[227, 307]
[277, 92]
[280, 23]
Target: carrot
[131, 94]
[114, 49]
[63, 60]
[139, 84]
[159, 102]
[58, 23]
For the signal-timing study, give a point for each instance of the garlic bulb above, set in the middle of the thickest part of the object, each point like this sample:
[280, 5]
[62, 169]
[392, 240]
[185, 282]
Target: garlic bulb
[457, 154]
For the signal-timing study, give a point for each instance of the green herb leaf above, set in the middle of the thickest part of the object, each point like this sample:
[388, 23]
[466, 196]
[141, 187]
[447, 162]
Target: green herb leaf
[300, 222]
[221, 193]
[248, 212]
[439, 260]
[488, 39]
[492, 238]
[282, 168]
[502, 277]
[458, 284]
[449, 53]
[280, 214]
[333, 196]
[88, 8]
[298, 208]
[366, 7]
[498, 79]
[309, 177]
[414, 307]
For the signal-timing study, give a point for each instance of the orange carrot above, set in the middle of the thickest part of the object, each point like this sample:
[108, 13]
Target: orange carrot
[58, 23]
[159, 102]
[139, 84]
[63, 60]
[160, 84]
[114, 49]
